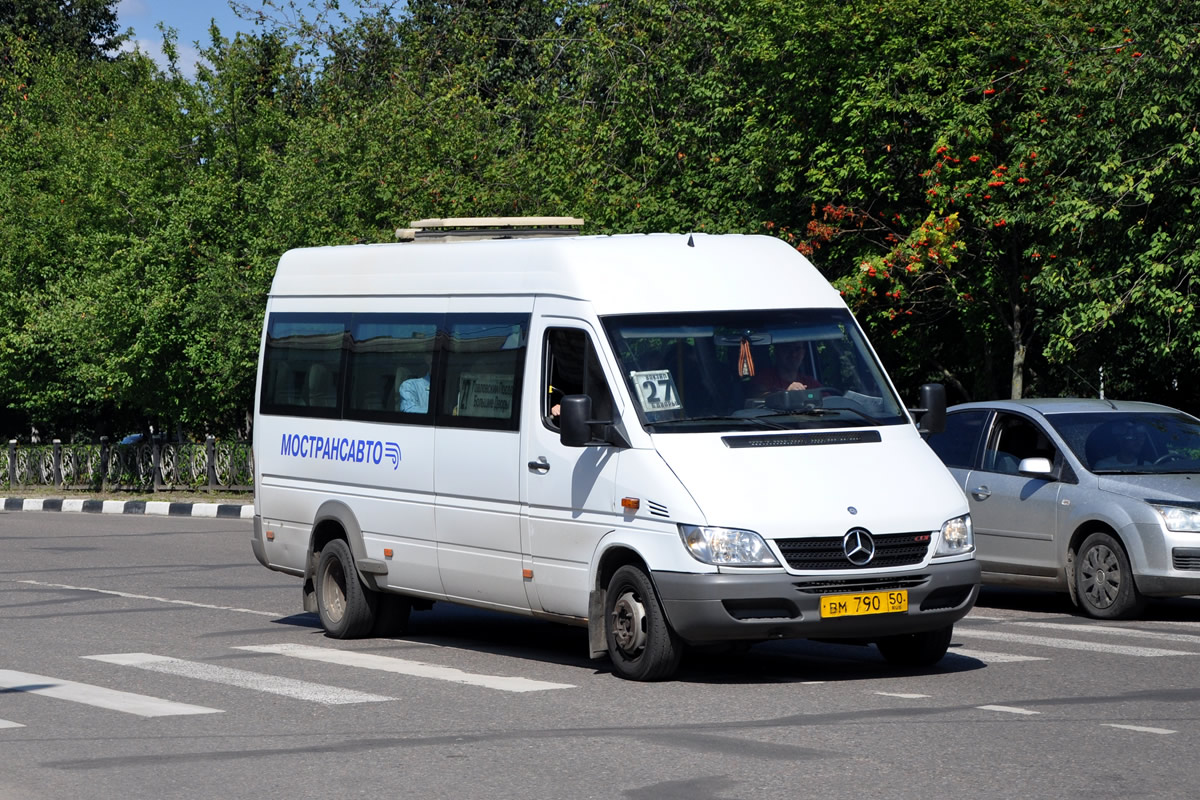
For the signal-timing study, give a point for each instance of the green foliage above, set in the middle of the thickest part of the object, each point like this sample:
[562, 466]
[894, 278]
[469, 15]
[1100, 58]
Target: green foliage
[86, 28]
[1004, 190]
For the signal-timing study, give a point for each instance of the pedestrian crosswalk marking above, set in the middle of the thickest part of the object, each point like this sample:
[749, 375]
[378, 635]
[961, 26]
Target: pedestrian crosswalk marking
[272, 684]
[1066, 644]
[98, 696]
[403, 666]
[990, 657]
[1111, 630]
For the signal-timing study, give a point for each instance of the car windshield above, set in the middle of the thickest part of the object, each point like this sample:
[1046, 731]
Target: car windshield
[747, 370]
[1142, 442]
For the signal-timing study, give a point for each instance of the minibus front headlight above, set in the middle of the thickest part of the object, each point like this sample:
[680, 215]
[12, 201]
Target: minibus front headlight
[957, 537]
[727, 547]
[1178, 518]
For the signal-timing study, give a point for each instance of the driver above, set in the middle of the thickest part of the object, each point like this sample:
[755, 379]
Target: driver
[791, 371]
[1131, 440]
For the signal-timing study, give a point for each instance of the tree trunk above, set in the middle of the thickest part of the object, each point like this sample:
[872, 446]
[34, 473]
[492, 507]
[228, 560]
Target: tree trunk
[1018, 359]
[1018, 371]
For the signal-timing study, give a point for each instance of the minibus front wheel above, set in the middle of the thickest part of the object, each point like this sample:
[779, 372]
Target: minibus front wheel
[346, 607]
[641, 644]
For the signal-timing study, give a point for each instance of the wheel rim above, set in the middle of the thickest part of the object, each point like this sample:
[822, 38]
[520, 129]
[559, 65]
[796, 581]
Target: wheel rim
[1101, 576]
[629, 624]
[333, 592]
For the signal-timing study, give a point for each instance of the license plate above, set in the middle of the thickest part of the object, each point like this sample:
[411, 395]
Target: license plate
[856, 605]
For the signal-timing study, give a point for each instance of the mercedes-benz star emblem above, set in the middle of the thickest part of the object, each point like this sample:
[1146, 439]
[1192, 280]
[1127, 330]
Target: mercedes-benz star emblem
[859, 547]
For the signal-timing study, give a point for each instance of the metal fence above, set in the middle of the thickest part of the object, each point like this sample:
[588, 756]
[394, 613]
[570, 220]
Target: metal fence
[210, 466]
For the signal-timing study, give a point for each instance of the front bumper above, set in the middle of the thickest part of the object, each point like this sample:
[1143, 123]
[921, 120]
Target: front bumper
[749, 607]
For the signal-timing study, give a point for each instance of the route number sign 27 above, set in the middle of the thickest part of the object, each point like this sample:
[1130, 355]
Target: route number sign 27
[656, 390]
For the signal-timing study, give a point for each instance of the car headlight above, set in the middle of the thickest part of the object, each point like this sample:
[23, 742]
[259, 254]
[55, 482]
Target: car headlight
[727, 547]
[1177, 518]
[957, 537]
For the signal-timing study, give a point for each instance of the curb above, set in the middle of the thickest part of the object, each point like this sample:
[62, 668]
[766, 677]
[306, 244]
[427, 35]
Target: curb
[159, 508]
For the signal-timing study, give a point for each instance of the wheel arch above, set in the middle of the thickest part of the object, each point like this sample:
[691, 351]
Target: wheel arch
[607, 563]
[333, 520]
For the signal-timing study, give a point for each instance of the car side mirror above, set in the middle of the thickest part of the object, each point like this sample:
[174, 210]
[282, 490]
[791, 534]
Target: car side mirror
[576, 428]
[932, 413]
[574, 412]
[1035, 467]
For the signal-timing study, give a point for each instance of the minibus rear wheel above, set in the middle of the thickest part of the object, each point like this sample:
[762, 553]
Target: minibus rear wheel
[641, 644]
[346, 607]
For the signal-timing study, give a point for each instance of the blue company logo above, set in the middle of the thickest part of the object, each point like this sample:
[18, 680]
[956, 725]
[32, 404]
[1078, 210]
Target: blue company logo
[334, 448]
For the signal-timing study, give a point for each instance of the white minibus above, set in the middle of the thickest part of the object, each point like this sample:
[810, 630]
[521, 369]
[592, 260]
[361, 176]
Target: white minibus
[673, 440]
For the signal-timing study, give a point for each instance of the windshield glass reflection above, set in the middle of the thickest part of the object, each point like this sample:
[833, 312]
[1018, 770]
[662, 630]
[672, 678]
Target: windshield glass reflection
[1132, 442]
[776, 369]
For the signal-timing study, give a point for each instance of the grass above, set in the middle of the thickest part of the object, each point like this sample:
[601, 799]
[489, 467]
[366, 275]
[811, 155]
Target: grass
[196, 496]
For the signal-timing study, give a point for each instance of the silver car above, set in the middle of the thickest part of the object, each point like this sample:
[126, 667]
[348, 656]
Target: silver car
[1096, 497]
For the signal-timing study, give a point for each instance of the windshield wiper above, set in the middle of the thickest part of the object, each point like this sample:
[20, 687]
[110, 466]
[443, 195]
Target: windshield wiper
[727, 418]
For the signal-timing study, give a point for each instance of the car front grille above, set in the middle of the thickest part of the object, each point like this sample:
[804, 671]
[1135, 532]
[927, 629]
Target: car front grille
[825, 552]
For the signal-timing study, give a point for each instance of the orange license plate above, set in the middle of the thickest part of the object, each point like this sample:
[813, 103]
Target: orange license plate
[857, 605]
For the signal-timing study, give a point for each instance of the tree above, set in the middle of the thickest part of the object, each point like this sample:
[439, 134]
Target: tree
[86, 28]
[1068, 161]
[90, 156]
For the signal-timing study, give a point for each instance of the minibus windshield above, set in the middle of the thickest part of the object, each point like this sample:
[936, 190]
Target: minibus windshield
[746, 370]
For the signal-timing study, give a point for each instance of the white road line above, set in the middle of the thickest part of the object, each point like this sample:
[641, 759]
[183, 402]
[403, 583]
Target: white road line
[904, 695]
[1008, 709]
[152, 597]
[403, 666]
[7, 724]
[1139, 728]
[1111, 630]
[127, 702]
[271, 684]
[990, 657]
[1067, 644]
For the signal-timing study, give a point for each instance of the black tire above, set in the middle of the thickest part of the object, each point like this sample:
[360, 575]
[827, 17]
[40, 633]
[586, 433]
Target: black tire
[922, 649]
[346, 607]
[641, 644]
[391, 614]
[1103, 580]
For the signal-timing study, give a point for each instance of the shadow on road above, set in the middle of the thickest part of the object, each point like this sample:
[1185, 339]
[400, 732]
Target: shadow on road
[781, 661]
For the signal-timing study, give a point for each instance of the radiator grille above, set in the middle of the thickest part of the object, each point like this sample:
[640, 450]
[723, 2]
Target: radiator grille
[825, 552]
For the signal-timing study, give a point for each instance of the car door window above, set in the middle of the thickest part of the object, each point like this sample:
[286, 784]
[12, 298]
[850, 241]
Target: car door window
[956, 445]
[571, 367]
[1013, 439]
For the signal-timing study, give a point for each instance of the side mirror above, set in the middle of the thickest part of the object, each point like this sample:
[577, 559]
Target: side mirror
[1039, 467]
[933, 409]
[574, 413]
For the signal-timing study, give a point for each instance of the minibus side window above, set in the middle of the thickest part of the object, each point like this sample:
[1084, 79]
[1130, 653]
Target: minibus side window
[302, 365]
[478, 379]
[565, 354]
[389, 367]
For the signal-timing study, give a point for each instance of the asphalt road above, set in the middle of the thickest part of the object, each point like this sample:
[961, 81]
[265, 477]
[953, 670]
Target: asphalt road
[150, 657]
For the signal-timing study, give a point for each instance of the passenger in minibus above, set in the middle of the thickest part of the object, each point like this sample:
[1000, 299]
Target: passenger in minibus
[414, 392]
